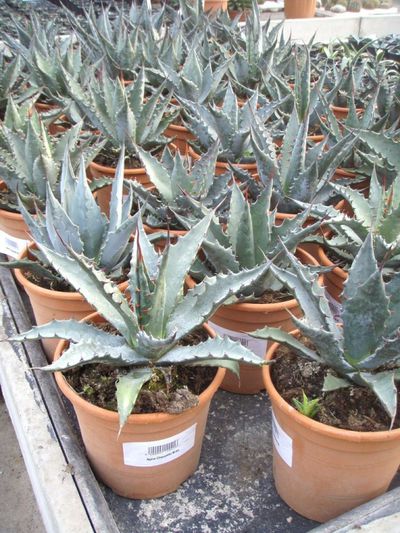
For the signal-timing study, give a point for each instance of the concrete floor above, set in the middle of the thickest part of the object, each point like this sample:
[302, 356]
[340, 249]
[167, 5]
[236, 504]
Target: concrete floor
[18, 509]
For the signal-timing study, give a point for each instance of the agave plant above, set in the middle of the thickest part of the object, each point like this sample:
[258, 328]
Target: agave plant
[10, 79]
[301, 173]
[197, 81]
[251, 237]
[181, 190]
[151, 326]
[77, 223]
[47, 58]
[229, 124]
[123, 115]
[378, 214]
[364, 348]
[30, 158]
[114, 41]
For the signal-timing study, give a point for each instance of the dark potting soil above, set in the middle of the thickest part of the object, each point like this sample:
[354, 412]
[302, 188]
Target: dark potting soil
[272, 297]
[355, 408]
[110, 157]
[46, 283]
[172, 389]
[336, 259]
[8, 201]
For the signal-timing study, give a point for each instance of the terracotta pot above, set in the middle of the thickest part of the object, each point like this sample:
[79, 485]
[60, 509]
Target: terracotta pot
[161, 242]
[54, 128]
[103, 196]
[321, 471]
[50, 305]
[109, 454]
[342, 112]
[13, 223]
[308, 247]
[221, 166]
[215, 5]
[334, 279]
[244, 13]
[234, 319]
[315, 138]
[342, 174]
[299, 9]
[181, 136]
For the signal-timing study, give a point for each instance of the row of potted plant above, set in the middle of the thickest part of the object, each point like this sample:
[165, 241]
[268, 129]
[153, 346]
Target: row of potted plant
[224, 233]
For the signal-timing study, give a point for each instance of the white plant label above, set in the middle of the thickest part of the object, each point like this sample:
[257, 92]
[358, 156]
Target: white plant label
[257, 346]
[10, 245]
[336, 307]
[159, 452]
[282, 442]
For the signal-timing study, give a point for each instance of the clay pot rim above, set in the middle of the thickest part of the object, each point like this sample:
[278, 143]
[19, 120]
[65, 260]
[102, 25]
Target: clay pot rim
[26, 283]
[111, 170]
[175, 232]
[223, 164]
[345, 173]
[50, 294]
[313, 425]
[179, 128]
[264, 308]
[9, 214]
[340, 109]
[325, 261]
[142, 418]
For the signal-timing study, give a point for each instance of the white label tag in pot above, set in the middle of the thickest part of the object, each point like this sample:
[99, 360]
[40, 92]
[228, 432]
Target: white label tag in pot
[257, 346]
[336, 307]
[159, 452]
[10, 245]
[282, 442]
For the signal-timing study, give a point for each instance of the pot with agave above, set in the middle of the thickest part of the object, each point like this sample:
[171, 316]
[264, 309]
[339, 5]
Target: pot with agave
[230, 125]
[196, 81]
[251, 237]
[378, 213]
[183, 191]
[74, 222]
[30, 161]
[123, 116]
[152, 341]
[350, 453]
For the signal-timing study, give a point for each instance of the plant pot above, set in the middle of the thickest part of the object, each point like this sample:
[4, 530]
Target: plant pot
[12, 223]
[299, 9]
[161, 242]
[333, 280]
[215, 5]
[50, 305]
[244, 13]
[221, 166]
[342, 113]
[235, 319]
[15, 233]
[181, 136]
[111, 456]
[342, 174]
[53, 127]
[321, 471]
[103, 196]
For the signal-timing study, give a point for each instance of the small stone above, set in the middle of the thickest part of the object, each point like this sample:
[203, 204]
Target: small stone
[289, 519]
[338, 9]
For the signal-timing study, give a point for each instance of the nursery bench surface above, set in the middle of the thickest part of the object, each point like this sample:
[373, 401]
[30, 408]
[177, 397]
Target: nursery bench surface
[232, 489]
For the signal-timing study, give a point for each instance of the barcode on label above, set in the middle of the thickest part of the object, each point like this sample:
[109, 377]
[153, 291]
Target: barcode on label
[10, 245]
[157, 450]
[257, 346]
[243, 342]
